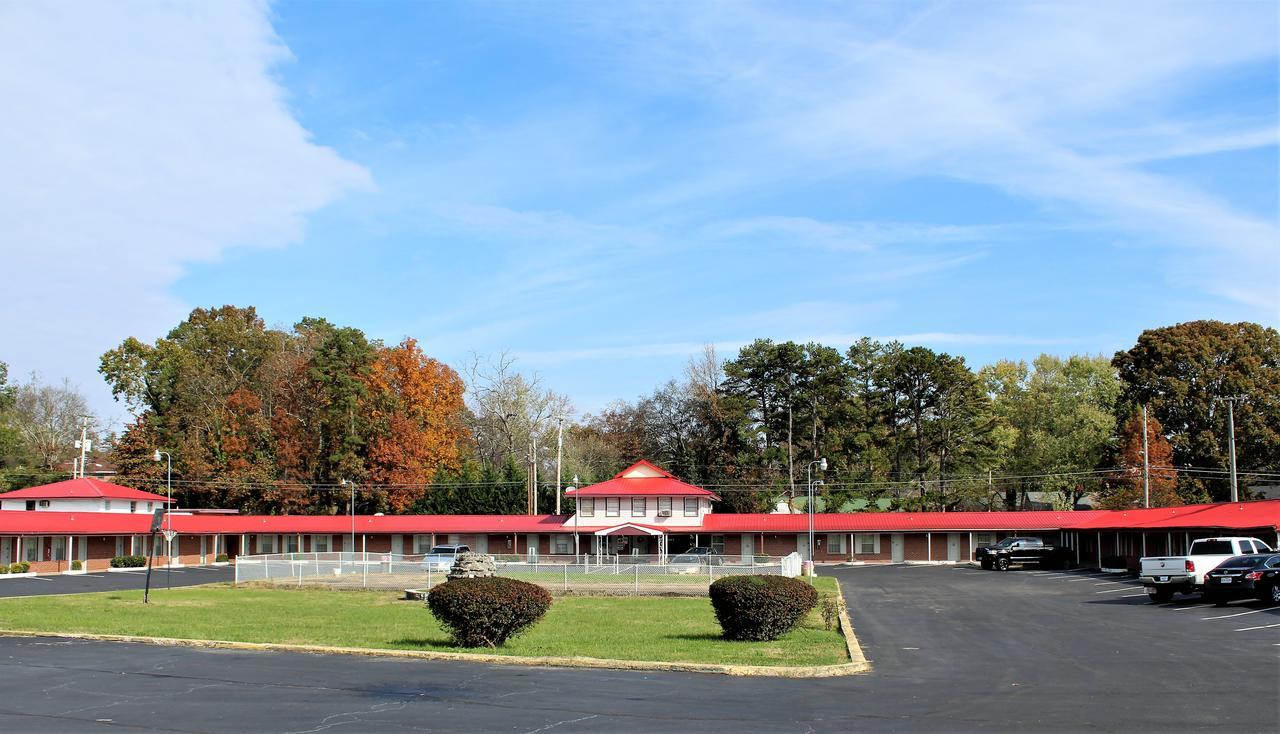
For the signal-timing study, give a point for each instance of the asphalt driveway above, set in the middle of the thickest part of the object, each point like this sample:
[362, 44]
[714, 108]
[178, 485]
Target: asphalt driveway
[113, 580]
[954, 649]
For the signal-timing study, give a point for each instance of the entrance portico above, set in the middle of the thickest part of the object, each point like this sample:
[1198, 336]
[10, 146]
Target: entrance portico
[629, 539]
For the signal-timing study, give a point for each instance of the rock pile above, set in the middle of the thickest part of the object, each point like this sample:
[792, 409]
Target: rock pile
[473, 566]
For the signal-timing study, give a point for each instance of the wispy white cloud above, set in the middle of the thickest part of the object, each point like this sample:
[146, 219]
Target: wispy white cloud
[1024, 97]
[139, 138]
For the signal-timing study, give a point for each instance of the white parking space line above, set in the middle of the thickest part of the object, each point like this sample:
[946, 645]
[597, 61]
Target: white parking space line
[1194, 606]
[1239, 614]
[1260, 627]
[90, 576]
[1105, 583]
[1111, 591]
[1130, 596]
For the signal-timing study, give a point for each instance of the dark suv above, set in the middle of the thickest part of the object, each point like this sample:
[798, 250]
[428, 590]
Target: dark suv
[1256, 575]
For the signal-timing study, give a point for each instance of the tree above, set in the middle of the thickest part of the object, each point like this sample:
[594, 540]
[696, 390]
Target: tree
[1059, 414]
[1181, 371]
[416, 415]
[1126, 491]
[10, 439]
[48, 420]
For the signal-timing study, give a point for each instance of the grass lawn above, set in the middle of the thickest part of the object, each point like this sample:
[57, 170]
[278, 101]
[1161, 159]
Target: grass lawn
[667, 629]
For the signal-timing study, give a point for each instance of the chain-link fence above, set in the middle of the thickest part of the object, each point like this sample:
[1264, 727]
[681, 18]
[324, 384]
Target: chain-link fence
[610, 574]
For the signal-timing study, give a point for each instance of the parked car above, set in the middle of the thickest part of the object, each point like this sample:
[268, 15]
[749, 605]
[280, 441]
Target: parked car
[441, 557]
[1256, 575]
[1021, 551]
[701, 556]
[1164, 576]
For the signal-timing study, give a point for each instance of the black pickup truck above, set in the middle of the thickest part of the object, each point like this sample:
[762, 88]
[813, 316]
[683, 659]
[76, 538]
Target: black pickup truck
[1021, 551]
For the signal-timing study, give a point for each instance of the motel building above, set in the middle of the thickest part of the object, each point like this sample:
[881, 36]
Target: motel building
[642, 513]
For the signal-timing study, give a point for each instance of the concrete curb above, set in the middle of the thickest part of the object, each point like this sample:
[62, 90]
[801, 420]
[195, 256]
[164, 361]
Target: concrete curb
[858, 663]
[854, 648]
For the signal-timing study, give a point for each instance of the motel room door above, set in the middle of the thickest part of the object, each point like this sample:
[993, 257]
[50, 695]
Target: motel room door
[748, 550]
[899, 551]
[953, 547]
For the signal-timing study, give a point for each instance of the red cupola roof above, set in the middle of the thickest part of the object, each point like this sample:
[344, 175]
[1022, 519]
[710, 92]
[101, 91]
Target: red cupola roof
[642, 479]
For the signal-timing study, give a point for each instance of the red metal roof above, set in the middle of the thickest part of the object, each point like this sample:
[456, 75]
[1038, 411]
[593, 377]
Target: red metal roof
[660, 483]
[1228, 515]
[891, 521]
[1237, 515]
[82, 488]
[18, 522]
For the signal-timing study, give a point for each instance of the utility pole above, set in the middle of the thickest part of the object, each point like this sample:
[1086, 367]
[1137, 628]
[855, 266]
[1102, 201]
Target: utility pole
[83, 445]
[559, 456]
[1146, 462]
[1230, 400]
[533, 477]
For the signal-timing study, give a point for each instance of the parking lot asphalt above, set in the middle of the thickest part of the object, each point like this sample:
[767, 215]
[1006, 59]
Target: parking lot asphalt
[953, 649]
[113, 580]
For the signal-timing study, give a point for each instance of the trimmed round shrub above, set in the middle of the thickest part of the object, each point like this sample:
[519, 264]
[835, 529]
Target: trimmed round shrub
[486, 612]
[222, 558]
[76, 565]
[760, 607]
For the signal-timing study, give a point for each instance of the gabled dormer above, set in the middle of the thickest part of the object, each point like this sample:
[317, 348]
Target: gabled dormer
[641, 494]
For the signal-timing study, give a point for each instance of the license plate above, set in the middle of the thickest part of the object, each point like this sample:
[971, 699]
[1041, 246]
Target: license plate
[1224, 580]
[1162, 579]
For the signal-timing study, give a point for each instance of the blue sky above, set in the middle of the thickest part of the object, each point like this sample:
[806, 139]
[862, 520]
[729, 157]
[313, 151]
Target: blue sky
[599, 189]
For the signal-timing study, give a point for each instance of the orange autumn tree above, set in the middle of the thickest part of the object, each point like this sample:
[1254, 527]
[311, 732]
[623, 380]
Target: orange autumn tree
[1126, 491]
[416, 413]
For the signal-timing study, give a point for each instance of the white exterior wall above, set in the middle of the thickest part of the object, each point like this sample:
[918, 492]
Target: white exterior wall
[649, 517]
[84, 505]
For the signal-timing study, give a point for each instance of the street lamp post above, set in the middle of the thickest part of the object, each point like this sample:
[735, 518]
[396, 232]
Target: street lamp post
[168, 516]
[822, 466]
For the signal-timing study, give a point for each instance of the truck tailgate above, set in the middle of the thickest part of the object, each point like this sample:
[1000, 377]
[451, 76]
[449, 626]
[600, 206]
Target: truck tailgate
[1164, 566]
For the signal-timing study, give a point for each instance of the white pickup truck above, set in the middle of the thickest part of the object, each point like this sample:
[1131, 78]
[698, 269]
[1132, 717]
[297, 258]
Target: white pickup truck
[1162, 576]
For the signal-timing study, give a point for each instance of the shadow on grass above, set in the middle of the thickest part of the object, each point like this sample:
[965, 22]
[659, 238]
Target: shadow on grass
[418, 643]
[696, 636]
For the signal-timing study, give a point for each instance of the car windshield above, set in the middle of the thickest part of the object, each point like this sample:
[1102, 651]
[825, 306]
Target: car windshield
[442, 550]
[1211, 548]
[1243, 562]
[1006, 542]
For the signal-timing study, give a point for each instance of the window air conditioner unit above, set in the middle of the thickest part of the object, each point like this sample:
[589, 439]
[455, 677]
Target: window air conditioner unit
[664, 513]
[44, 503]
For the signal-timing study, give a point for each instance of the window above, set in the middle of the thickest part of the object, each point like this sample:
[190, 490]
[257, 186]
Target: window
[867, 543]
[587, 508]
[612, 506]
[1246, 547]
[422, 544]
[320, 543]
[981, 539]
[106, 505]
[638, 506]
[266, 544]
[133, 507]
[31, 550]
[151, 507]
[120, 546]
[690, 506]
[664, 507]
[291, 544]
[31, 504]
[717, 544]
[562, 545]
[835, 543]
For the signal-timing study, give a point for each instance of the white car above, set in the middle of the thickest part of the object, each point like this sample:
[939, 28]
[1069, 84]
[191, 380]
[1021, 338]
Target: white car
[441, 557]
[1163, 576]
